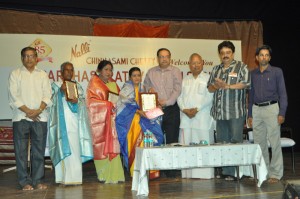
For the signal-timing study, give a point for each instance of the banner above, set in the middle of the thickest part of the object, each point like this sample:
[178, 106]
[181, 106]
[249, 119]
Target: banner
[85, 52]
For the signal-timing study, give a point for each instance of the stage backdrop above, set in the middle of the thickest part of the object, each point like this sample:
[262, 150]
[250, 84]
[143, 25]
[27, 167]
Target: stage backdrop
[85, 52]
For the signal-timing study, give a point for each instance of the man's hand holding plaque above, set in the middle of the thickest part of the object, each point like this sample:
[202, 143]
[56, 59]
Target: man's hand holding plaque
[71, 91]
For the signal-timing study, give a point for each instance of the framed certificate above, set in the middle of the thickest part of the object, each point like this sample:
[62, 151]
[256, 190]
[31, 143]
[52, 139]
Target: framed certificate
[72, 91]
[148, 101]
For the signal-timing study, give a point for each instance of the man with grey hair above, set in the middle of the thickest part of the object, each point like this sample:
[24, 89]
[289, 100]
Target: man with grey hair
[69, 138]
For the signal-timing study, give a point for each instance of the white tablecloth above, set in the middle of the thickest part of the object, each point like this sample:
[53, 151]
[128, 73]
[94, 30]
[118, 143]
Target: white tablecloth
[165, 158]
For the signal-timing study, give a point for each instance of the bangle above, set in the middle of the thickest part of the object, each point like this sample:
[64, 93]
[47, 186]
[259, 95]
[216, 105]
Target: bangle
[41, 109]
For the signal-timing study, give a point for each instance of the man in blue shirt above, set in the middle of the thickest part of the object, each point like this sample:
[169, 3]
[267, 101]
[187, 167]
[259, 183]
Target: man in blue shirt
[266, 110]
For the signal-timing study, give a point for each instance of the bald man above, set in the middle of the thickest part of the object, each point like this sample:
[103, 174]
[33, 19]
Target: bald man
[195, 102]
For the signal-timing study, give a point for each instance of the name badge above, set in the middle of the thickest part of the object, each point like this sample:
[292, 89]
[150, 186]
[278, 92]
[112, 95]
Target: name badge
[232, 75]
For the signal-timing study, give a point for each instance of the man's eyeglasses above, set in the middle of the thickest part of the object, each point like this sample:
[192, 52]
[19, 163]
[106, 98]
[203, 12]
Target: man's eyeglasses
[164, 57]
[29, 56]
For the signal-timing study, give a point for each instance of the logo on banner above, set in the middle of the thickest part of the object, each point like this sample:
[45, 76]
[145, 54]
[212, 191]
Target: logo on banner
[77, 52]
[43, 50]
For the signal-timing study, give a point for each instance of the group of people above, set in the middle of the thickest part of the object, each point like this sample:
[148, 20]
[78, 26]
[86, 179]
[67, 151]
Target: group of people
[96, 127]
[259, 97]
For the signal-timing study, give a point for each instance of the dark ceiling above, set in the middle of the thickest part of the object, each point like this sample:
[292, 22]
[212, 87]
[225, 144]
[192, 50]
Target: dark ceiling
[163, 9]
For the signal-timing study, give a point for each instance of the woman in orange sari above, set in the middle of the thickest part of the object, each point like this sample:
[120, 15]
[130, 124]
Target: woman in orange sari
[102, 120]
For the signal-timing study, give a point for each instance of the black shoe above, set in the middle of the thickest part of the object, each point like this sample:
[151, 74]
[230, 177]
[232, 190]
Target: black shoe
[218, 172]
[226, 177]
[221, 176]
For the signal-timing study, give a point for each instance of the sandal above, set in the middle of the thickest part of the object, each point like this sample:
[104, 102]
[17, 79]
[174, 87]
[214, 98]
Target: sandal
[27, 187]
[273, 180]
[41, 186]
[230, 178]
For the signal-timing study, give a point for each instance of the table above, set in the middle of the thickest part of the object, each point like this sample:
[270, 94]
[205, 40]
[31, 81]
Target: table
[168, 157]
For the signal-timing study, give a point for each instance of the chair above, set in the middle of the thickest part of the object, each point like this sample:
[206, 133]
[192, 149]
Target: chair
[286, 141]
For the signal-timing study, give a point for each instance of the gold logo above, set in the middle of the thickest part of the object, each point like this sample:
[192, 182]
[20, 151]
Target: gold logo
[43, 50]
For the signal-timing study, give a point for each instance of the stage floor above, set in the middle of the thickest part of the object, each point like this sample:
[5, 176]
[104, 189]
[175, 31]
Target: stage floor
[159, 188]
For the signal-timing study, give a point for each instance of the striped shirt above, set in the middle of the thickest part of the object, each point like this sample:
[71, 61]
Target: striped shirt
[230, 103]
[166, 82]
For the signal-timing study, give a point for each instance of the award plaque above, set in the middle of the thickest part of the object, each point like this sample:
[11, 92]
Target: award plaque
[72, 92]
[148, 101]
[113, 97]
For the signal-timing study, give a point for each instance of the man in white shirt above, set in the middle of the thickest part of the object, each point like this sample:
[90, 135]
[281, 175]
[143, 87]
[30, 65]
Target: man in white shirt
[195, 102]
[29, 95]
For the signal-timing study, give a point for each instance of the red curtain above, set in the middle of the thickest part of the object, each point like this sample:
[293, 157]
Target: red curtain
[132, 29]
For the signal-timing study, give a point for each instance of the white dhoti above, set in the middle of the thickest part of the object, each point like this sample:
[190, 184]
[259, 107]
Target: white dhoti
[187, 136]
[69, 170]
[194, 95]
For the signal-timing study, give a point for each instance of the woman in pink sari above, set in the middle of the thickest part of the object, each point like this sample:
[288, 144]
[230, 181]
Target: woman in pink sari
[102, 120]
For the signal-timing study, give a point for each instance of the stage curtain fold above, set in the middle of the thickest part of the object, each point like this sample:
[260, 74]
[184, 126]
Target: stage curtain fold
[34, 23]
[249, 32]
[132, 29]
